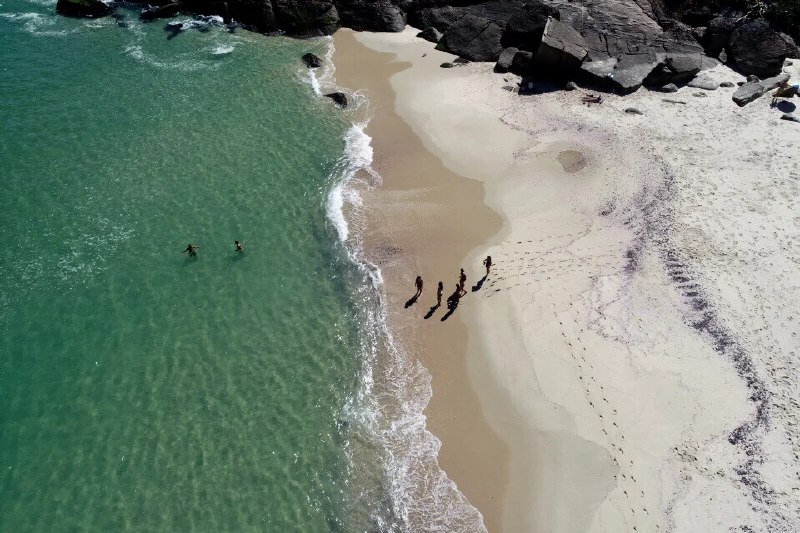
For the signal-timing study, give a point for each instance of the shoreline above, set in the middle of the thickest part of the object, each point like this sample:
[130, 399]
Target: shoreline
[413, 226]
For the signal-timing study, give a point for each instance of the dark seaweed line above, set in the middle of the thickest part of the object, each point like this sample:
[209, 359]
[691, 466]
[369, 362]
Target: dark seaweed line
[651, 217]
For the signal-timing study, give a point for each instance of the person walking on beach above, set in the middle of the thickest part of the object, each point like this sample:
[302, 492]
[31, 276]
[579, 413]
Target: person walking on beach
[488, 263]
[462, 280]
[192, 249]
[418, 284]
[439, 291]
[239, 246]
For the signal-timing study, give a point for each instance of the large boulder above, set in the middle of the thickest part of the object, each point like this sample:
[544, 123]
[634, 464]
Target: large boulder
[630, 72]
[506, 58]
[522, 63]
[704, 81]
[371, 15]
[312, 60]
[525, 27]
[475, 38]
[675, 69]
[430, 34]
[440, 17]
[562, 48]
[755, 89]
[309, 18]
[83, 8]
[716, 35]
[755, 48]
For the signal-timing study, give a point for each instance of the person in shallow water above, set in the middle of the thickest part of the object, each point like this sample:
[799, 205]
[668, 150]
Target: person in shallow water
[487, 263]
[439, 291]
[191, 249]
[239, 246]
[418, 284]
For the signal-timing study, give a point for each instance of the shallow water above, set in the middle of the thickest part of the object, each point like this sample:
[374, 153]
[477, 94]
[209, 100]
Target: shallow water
[140, 388]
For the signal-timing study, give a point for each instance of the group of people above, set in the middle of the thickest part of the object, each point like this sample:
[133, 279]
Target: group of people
[453, 299]
[191, 249]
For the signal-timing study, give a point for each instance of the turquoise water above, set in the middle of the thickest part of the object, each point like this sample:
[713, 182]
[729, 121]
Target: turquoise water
[141, 389]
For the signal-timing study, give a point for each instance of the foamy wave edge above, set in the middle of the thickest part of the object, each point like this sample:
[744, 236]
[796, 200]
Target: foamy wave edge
[421, 496]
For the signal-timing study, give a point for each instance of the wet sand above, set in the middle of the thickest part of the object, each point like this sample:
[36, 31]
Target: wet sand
[424, 219]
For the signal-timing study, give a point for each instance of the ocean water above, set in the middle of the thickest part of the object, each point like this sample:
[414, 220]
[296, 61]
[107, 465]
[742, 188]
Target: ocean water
[141, 389]
[145, 390]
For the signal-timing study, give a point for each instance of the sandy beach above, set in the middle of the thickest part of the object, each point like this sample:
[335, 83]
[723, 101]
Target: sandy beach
[629, 363]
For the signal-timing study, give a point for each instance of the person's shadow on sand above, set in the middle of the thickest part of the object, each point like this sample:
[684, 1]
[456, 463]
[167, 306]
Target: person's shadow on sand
[431, 311]
[412, 301]
[786, 107]
[477, 286]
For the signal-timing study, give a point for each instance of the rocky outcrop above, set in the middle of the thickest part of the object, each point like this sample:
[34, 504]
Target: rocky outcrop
[160, 12]
[525, 26]
[474, 38]
[755, 89]
[83, 8]
[371, 15]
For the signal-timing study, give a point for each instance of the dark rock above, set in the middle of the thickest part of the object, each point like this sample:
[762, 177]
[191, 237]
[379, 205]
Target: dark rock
[571, 86]
[255, 14]
[787, 63]
[525, 27]
[704, 81]
[669, 88]
[310, 18]
[430, 34]
[83, 8]
[752, 78]
[522, 62]
[446, 65]
[675, 69]
[792, 50]
[476, 38]
[755, 48]
[633, 111]
[700, 95]
[562, 48]
[727, 84]
[753, 90]
[371, 15]
[723, 57]
[440, 17]
[630, 72]
[160, 12]
[312, 61]
[717, 34]
[740, 83]
[506, 58]
[461, 61]
[790, 116]
[339, 98]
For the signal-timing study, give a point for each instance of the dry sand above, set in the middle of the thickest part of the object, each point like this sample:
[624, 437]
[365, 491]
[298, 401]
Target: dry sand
[634, 350]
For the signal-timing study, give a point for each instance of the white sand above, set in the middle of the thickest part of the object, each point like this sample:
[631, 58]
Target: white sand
[636, 304]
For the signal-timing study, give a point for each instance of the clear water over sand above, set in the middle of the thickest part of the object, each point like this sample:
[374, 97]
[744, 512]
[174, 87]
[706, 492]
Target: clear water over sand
[139, 388]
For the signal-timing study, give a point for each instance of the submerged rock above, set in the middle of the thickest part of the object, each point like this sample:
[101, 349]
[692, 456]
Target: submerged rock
[339, 98]
[312, 61]
[83, 8]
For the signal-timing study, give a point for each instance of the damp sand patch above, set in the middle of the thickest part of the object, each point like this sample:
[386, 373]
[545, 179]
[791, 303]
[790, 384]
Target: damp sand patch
[572, 161]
